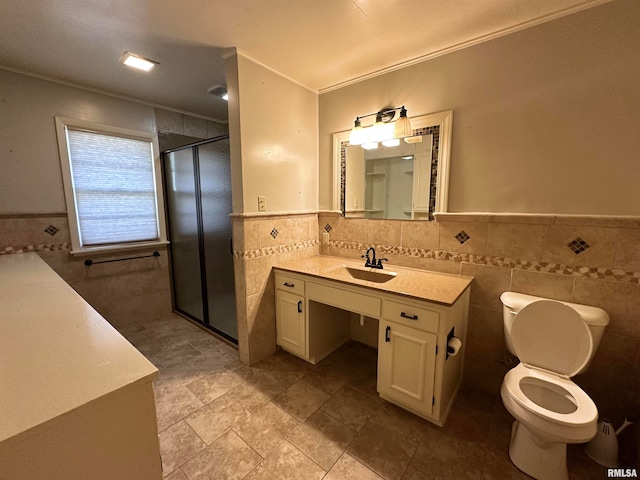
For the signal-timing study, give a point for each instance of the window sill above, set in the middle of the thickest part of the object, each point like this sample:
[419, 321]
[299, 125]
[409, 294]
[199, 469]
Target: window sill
[117, 248]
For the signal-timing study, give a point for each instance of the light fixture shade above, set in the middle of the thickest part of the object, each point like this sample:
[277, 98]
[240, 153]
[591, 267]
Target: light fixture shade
[370, 145]
[403, 126]
[357, 136]
[394, 142]
[376, 131]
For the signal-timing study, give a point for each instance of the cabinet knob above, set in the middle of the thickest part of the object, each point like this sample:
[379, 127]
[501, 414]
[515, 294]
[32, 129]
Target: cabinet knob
[300, 306]
[287, 284]
[410, 317]
[386, 334]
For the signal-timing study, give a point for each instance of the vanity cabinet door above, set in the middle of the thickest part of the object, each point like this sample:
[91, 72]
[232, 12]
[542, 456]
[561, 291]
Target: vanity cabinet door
[406, 365]
[291, 325]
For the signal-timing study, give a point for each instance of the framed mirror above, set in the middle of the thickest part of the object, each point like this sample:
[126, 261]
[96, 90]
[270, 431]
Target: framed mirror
[409, 181]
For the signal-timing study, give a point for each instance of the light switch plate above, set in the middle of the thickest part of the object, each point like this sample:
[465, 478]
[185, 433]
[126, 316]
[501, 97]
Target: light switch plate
[262, 204]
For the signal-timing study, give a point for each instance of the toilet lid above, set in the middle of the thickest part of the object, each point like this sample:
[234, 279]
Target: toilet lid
[553, 336]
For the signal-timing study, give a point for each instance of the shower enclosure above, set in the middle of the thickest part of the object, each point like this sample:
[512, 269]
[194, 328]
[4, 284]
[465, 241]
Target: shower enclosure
[198, 200]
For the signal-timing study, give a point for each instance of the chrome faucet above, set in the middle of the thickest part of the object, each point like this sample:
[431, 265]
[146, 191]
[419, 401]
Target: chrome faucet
[373, 262]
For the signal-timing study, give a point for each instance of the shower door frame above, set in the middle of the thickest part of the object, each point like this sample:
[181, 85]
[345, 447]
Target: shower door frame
[201, 240]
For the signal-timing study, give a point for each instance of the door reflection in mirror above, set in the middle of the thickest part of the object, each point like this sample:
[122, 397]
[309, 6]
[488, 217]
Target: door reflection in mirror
[390, 182]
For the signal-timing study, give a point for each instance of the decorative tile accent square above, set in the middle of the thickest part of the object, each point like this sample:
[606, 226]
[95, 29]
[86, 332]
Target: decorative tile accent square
[578, 246]
[327, 228]
[274, 232]
[463, 237]
[51, 230]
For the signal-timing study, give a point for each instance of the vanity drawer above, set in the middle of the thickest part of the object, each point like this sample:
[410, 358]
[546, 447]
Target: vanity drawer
[289, 284]
[345, 299]
[409, 315]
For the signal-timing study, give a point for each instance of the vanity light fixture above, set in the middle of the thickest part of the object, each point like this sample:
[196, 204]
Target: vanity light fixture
[383, 129]
[137, 61]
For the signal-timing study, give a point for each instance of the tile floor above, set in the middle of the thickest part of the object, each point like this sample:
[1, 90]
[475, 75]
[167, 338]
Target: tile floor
[286, 419]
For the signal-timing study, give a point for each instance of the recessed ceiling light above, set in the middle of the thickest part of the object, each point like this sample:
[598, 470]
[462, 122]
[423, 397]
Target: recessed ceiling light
[136, 61]
[218, 91]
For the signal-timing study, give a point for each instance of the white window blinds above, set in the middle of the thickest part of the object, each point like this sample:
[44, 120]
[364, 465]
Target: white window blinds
[114, 188]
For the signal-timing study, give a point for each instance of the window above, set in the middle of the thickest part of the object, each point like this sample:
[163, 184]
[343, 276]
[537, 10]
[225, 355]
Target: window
[111, 184]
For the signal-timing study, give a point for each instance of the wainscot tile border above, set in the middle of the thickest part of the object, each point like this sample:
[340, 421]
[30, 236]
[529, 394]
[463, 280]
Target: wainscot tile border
[44, 247]
[610, 274]
[266, 251]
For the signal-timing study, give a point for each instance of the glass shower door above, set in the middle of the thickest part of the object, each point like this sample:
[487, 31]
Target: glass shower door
[184, 232]
[215, 187]
[198, 198]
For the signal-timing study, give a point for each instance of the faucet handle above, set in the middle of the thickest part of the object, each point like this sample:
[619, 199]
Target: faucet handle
[380, 260]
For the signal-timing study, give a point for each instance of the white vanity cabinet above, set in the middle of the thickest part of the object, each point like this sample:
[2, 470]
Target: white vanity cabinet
[406, 365]
[415, 371]
[291, 327]
[407, 353]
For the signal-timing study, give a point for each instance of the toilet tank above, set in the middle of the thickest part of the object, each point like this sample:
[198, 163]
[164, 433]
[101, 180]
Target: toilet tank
[595, 318]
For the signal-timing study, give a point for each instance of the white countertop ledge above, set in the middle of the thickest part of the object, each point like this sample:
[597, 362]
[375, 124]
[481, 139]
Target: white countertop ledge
[56, 352]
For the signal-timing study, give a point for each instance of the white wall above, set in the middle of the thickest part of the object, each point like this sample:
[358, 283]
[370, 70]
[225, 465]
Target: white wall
[30, 178]
[274, 124]
[545, 119]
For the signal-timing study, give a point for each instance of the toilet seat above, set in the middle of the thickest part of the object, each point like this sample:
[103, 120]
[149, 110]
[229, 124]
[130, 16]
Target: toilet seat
[585, 412]
[553, 344]
[552, 336]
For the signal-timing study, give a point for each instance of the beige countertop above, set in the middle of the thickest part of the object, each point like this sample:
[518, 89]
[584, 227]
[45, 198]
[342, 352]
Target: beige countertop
[56, 352]
[435, 287]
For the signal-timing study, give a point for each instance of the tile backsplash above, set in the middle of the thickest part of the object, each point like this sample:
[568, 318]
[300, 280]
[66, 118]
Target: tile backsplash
[532, 254]
[123, 292]
[259, 242]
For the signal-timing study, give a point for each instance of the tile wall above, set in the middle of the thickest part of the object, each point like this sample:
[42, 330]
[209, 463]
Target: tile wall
[259, 243]
[173, 122]
[533, 254]
[581, 259]
[124, 293]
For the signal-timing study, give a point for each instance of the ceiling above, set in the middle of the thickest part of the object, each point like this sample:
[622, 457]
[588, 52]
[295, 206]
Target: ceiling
[320, 44]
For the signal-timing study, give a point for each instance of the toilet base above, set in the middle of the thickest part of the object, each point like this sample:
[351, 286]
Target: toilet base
[537, 457]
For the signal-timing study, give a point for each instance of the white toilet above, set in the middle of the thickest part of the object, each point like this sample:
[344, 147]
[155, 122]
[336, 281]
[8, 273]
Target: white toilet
[554, 341]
